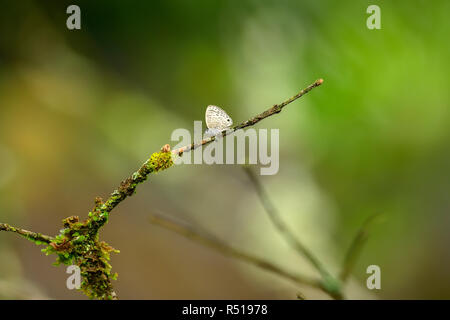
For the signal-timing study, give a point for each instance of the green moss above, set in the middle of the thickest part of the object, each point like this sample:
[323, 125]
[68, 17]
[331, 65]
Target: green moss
[159, 161]
[78, 243]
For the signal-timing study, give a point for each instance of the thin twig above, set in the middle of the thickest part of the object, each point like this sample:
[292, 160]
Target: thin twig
[270, 112]
[33, 236]
[281, 226]
[356, 247]
[157, 162]
[128, 186]
[213, 243]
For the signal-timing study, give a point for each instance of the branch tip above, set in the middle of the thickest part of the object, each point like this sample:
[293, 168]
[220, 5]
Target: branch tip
[275, 109]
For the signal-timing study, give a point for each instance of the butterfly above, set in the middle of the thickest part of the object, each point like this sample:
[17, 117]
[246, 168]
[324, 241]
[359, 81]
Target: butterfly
[217, 120]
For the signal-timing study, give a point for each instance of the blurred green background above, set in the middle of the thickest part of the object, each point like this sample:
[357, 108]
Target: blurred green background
[80, 110]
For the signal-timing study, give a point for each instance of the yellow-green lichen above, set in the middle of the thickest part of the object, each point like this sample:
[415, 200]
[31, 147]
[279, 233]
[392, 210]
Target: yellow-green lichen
[159, 161]
[77, 245]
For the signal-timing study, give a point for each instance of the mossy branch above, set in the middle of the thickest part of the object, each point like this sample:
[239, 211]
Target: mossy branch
[37, 238]
[78, 242]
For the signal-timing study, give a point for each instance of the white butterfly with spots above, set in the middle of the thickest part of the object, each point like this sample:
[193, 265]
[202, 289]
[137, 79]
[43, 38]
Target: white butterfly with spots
[217, 120]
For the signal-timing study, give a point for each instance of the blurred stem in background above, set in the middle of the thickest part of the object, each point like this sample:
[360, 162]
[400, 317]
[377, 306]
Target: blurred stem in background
[330, 283]
[212, 242]
[356, 247]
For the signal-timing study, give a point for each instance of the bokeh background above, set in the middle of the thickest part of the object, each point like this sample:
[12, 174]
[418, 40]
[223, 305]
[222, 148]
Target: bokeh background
[80, 110]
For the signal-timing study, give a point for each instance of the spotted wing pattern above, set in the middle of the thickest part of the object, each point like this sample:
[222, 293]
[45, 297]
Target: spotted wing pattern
[216, 118]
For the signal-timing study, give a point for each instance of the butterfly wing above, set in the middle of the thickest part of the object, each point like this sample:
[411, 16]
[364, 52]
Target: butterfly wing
[216, 118]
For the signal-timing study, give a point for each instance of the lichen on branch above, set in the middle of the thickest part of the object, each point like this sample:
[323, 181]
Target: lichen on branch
[78, 245]
[78, 242]
[35, 237]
